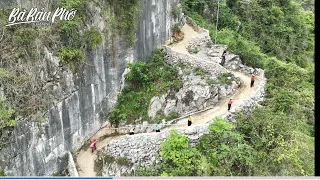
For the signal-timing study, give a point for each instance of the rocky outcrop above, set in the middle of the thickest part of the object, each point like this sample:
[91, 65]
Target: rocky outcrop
[175, 58]
[195, 94]
[37, 148]
[233, 62]
[156, 105]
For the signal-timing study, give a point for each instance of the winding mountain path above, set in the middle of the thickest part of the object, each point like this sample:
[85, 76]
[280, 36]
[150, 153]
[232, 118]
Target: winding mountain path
[85, 159]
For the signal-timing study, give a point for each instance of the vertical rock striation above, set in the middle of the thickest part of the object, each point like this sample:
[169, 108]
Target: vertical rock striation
[39, 148]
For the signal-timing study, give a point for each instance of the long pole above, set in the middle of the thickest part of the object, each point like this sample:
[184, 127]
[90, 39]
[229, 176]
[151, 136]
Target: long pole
[215, 38]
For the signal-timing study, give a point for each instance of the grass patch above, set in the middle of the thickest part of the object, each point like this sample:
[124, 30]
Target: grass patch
[211, 82]
[195, 51]
[225, 78]
[123, 161]
[200, 72]
[160, 116]
[2, 173]
[176, 28]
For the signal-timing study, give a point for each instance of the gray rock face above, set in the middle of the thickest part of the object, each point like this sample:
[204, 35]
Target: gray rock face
[73, 172]
[217, 50]
[175, 58]
[38, 149]
[232, 61]
[155, 105]
[195, 94]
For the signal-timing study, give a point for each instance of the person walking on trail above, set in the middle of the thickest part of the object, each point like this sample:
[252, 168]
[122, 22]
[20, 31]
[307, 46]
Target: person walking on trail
[157, 128]
[189, 120]
[93, 145]
[229, 104]
[252, 81]
[106, 125]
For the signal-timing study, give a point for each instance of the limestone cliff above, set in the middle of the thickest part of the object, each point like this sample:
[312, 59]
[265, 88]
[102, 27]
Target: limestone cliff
[38, 147]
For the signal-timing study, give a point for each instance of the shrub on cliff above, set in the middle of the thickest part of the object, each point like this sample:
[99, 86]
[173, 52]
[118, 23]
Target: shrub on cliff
[144, 81]
[6, 115]
[71, 57]
[2, 173]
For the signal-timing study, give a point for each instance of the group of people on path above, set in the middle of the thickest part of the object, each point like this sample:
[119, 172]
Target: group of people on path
[157, 129]
[230, 100]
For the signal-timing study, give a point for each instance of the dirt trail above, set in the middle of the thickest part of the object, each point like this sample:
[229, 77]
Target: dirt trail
[222, 108]
[188, 34]
[85, 159]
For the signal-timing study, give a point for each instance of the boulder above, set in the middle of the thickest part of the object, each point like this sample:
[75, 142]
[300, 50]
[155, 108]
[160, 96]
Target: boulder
[155, 105]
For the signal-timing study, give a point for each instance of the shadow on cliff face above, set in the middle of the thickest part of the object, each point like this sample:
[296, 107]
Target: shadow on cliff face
[63, 164]
[98, 164]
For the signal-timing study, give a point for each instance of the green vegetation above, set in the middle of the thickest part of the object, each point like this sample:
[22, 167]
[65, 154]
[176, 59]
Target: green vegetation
[69, 30]
[178, 158]
[144, 81]
[72, 57]
[160, 116]
[200, 72]
[277, 139]
[176, 28]
[123, 161]
[226, 151]
[93, 37]
[6, 115]
[195, 51]
[175, 10]
[2, 173]
[124, 17]
[222, 152]
[108, 159]
[226, 78]
[61, 173]
[26, 39]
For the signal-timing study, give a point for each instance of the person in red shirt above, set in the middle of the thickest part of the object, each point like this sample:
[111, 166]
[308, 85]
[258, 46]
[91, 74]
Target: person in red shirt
[93, 145]
[252, 80]
[229, 104]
